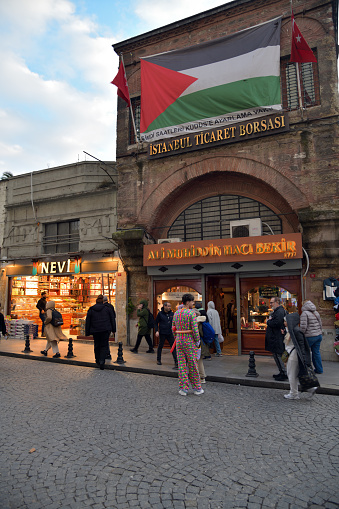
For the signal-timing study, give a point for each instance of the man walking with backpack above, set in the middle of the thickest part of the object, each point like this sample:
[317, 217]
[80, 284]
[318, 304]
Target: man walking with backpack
[99, 324]
[144, 326]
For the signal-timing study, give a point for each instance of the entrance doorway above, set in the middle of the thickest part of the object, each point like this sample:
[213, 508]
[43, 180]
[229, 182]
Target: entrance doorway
[221, 290]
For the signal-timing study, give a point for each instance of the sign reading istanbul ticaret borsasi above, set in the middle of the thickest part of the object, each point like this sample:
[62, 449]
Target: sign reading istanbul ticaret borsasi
[244, 130]
[268, 247]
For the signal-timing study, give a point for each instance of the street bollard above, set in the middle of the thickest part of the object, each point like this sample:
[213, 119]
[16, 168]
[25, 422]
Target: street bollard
[120, 359]
[70, 349]
[251, 366]
[27, 345]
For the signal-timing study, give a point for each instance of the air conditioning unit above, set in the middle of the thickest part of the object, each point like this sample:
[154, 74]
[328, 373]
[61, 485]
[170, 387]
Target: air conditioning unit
[168, 241]
[246, 228]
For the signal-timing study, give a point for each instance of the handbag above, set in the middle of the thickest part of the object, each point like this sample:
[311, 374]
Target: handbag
[308, 379]
[285, 355]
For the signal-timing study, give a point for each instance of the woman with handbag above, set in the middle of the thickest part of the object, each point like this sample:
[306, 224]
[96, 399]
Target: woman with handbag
[297, 355]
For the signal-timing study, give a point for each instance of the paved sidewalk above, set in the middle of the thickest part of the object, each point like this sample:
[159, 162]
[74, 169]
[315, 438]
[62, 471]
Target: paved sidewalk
[225, 369]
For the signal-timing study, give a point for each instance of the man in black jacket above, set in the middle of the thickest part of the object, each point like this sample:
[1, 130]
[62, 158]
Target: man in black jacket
[41, 305]
[99, 324]
[109, 305]
[274, 338]
[163, 331]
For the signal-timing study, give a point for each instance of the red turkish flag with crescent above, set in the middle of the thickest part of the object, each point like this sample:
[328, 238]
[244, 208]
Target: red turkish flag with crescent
[300, 50]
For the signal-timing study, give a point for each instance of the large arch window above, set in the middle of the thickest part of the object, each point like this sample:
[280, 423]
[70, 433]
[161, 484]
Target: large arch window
[210, 218]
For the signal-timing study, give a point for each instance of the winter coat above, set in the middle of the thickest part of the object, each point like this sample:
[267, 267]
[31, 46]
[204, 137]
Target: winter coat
[163, 323]
[274, 338]
[298, 339]
[310, 321]
[41, 304]
[143, 319]
[213, 317]
[2, 324]
[99, 319]
[52, 333]
[110, 306]
[205, 351]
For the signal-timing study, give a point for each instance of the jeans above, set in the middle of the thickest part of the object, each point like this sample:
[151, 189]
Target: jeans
[170, 339]
[101, 348]
[148, 339]
[217, 344]
[314, 344]
[42, 318]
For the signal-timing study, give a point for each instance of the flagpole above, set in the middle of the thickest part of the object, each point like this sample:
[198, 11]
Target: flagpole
[299, 91]
[130, 104]
[298, 75]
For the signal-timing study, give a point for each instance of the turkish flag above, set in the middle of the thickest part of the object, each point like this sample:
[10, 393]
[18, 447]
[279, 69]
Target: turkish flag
[121, 82]
[300, 50]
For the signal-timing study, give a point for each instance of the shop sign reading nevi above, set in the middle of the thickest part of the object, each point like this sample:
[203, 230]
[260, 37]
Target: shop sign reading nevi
[225, 250]
[242, 130]
[59, 267]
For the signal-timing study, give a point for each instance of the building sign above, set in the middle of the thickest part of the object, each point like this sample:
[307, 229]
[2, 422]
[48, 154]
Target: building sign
[57, 267]
[240, 131]
[268, 247]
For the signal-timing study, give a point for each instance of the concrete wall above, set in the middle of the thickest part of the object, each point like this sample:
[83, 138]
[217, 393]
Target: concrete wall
[80, 191]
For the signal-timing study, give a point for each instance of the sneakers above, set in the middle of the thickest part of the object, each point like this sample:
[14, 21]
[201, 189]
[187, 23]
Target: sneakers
[207, 358]
[197, 393]
[150, 351]
[43, 352]
[133, 350]
[218, 354]
[281, 377]
[311, 392]
[202, 380]
[182, 393]
[159, 363]
[291, 396]
[56, 356]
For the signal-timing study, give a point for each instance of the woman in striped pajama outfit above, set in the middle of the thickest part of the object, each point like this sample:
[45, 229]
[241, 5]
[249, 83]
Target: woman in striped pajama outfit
[185, 327]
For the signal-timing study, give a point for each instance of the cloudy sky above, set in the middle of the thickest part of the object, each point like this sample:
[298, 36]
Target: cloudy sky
[57, 60]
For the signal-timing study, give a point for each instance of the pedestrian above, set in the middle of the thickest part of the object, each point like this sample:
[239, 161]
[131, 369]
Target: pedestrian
[274, 337]
[297, 347]
[99, 324]
[3, 325]
[109, 305]
[205, 348]
[163, 331]
[143, 329]
[53, 333]
[311, 326]
[185, 327]
[41, 305]
[214, 320]
[230, 310]
[201, 318]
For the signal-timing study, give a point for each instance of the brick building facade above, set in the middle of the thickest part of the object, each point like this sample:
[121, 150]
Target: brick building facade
[293, 173]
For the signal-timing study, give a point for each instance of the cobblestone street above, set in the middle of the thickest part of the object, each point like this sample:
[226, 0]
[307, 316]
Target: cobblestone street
[110, 439]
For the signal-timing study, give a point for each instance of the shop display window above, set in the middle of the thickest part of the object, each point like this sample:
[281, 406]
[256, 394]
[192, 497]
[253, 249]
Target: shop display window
[174, 296]
[73, 296]
[255, 305]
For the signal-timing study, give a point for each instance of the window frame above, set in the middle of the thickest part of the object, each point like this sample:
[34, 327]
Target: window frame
[59, 242]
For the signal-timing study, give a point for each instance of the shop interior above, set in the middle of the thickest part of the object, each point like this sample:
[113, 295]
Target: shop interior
[73, 295]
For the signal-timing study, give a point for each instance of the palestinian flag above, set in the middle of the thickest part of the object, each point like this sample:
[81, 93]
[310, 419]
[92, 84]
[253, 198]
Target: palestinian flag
[215, 83]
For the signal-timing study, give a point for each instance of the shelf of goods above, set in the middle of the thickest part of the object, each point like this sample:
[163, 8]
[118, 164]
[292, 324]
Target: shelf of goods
[21, 328]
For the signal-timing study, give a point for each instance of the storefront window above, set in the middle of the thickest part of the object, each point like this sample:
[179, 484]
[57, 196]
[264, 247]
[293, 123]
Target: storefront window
[255, 305]
[174, 296]
[73, 296]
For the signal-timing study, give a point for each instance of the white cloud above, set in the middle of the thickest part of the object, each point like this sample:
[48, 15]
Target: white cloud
[56, 100]
[162, 12]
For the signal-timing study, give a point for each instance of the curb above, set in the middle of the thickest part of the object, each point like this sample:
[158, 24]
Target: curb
[153, 371]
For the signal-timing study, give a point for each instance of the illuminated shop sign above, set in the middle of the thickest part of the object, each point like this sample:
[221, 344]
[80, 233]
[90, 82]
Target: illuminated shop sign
[272, 247]
[240, 131]
[57, 267]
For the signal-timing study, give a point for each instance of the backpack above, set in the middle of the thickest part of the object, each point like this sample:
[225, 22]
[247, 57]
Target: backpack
[150, 320]
[208, 332]
[56, 318]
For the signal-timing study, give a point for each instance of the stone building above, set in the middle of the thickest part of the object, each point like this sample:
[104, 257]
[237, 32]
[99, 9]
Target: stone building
[57, 232]
[287, 179]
